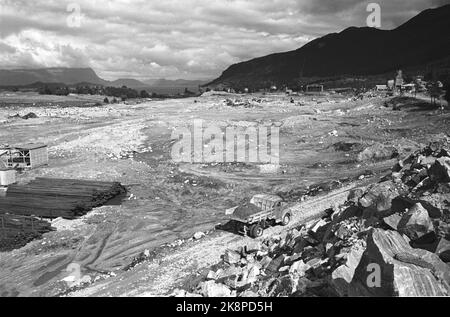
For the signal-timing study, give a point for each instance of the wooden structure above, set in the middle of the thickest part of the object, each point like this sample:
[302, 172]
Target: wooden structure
[314, 88]
[53, 198]
[26, 156]
[381, 87]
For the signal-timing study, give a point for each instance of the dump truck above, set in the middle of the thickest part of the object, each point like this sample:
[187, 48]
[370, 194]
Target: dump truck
[261, 212]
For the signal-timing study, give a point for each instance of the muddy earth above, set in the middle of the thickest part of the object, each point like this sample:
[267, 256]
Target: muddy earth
[326, 143]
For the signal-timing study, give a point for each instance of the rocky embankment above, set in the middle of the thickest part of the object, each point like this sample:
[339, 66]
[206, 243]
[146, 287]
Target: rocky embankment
[390, 239]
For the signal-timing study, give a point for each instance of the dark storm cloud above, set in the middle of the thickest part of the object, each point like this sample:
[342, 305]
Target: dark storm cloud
[328, 6]
[440, 2]
[175, 38]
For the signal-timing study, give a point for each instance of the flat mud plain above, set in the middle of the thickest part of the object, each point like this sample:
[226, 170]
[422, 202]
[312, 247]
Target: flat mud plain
[167, 203]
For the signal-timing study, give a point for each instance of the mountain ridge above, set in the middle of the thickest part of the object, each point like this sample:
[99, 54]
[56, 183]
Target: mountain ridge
[69, 76]
[355, 51]
[73, 76]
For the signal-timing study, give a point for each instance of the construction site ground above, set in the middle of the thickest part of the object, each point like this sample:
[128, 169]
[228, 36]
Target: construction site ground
[325, 149]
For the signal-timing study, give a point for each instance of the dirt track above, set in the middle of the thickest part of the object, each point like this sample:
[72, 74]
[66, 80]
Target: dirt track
[164, 273]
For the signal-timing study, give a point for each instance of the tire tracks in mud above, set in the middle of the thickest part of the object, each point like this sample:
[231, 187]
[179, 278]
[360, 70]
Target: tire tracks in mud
[99, 250]
[168, 271]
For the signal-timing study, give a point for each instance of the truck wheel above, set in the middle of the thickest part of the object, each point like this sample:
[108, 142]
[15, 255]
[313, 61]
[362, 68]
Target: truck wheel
[256, 231]
[286, 219]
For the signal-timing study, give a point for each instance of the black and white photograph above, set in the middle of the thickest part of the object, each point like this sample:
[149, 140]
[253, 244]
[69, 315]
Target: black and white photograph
[224, 155]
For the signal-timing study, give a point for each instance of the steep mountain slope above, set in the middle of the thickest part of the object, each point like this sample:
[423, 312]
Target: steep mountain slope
[354, 51]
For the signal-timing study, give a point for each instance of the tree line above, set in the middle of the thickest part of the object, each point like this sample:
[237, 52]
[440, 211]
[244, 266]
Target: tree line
[118, 92]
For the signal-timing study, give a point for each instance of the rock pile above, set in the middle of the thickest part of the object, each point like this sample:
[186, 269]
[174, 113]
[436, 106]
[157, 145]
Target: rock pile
[390, 239]
[378, 152]
[254, 103]
[30, 115]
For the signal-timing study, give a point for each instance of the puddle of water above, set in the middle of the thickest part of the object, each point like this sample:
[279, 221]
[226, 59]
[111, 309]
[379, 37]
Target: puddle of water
[47, 276]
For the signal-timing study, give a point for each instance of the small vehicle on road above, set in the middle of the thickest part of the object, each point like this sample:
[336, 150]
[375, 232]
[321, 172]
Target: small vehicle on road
[261, 212]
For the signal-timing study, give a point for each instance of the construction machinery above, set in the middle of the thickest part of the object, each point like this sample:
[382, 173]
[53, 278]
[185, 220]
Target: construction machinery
[261, 212]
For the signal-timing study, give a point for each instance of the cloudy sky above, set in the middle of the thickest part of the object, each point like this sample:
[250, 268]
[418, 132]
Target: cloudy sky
[192, 39]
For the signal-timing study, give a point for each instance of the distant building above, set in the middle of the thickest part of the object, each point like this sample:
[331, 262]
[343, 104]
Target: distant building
[399, 79]
[409, 87]
[391, 84]
[314, 88]
[381, 88]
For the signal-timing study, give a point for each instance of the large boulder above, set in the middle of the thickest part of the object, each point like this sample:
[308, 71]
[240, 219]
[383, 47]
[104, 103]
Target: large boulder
[212, 289]
[299, 269]
[392, 221]
[319, 230]
[347, 213]
[440, 171]
[443, 250]
[415, 223]
[444, 230]
[378, 152]
[433, 204]
[283, 286]
[430, 202]
[443, 188]
[231, 257]
[355, 194]
[379, 197]
[343, 275]
[390, 267]
[250, 274]
[300, 245]
[276, 263]
[439, 147]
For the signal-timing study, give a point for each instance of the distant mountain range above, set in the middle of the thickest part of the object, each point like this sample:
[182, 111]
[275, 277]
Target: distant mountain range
[73, 76]
[130, 83]
[353, 52]
[69, 76]
[175, 83]
[165, 86]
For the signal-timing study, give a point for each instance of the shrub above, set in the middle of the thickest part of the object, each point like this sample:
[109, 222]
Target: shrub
[447, 93]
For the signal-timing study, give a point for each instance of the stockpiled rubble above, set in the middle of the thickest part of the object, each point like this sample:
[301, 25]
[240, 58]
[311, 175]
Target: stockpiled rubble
[243, 103]
[390, 239]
